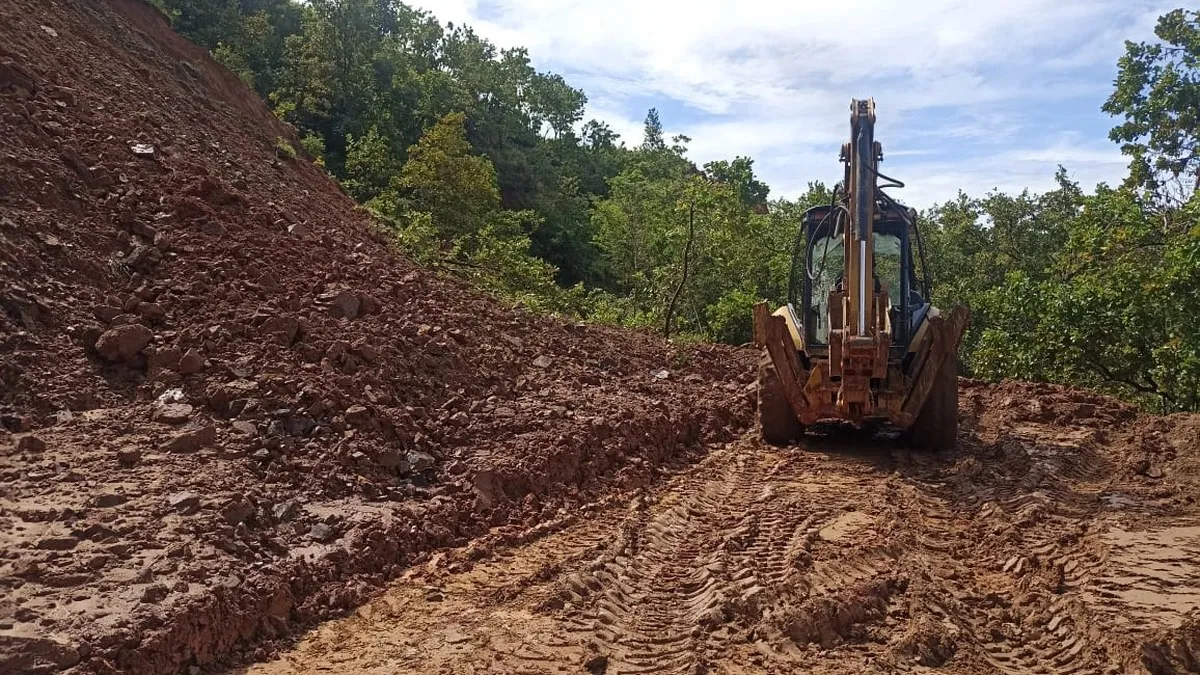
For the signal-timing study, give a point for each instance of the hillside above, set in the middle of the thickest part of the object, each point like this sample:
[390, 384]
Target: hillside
[224, 389]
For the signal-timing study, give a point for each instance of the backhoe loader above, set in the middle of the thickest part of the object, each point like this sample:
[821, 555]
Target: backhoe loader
[858, 339]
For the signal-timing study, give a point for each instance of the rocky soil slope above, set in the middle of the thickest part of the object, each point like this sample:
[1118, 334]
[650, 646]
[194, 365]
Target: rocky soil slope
[229, 406]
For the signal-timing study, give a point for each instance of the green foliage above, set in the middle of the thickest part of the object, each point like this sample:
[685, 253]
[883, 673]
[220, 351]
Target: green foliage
[1158, 93]
[442, 178]
[235, 61]
[370, 165]
[284, 149]
[314, 145]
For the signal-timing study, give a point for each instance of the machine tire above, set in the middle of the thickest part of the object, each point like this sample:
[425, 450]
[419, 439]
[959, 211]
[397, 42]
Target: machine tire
[776, 420]
[936, 427]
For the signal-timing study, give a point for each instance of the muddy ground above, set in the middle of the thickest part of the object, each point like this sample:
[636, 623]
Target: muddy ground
[1062, 537]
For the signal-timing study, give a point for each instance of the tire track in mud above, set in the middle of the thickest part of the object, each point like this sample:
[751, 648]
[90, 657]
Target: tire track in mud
[656, 592]
[818, 559]
[722, 558]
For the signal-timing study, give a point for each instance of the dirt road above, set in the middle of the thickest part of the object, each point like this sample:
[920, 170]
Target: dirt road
[1032, 550]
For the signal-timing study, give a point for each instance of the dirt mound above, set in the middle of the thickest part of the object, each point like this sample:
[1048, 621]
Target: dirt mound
[229, 406]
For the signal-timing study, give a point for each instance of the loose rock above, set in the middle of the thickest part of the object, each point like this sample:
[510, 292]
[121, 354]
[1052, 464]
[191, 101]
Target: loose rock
[191, 441]
[186, 503]
[420, 461]
[155, 593]
[123, 342]
[128, 456]
[191, 362]
[236, 511]
[345, 305]
[31, 443]
[173, 413]
[64, 543]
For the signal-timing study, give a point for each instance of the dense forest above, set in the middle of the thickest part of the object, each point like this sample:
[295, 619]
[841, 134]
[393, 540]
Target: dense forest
[485, 167]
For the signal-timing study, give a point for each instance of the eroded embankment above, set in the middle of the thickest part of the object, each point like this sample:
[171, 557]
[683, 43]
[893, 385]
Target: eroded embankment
[229, 406]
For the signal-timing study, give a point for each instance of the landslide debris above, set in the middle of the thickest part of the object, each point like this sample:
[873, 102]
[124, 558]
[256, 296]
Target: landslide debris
[228, 405]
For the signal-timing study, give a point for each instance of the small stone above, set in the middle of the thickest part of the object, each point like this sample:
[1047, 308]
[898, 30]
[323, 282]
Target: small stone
[155, 593]
[236, 511]
[106, 500]
[420, 461]
[285, 510]
[282, 329]
[244, 427]
[693, 378]
[1154, 471]
[31, 443]
[152, 311]
[191, 441]
[226, 581]
[128, 456]
[191, 362]
[58, 543]
[262, 454]
[186, 503]
[368, 304]
[123, 342]
[460, 418]
[321, 532]
[357, 415]
[173, 413]
[142, 149]
[543, 361]
[662, 375]
[345, 304]
[298, 230]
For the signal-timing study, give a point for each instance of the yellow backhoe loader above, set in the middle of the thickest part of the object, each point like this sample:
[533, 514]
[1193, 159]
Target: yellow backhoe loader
[858, 340]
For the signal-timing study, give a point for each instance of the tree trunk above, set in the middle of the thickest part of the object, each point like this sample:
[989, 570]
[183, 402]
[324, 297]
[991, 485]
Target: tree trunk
[687, 249]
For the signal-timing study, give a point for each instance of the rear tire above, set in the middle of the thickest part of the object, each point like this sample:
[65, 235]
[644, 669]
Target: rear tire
[936, 427]
[776, 420]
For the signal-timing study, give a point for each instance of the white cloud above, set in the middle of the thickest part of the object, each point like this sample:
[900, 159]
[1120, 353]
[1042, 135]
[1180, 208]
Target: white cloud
[960, 83]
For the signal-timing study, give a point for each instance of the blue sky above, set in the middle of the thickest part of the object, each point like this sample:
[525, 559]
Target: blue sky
[970, 95]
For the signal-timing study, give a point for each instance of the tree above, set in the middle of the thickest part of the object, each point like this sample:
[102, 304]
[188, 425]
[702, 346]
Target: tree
[1158, 93]
[442, 178]
[740, 174]
[653, 136]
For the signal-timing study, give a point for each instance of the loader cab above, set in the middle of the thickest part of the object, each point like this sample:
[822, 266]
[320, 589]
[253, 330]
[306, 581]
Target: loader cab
[821, 267]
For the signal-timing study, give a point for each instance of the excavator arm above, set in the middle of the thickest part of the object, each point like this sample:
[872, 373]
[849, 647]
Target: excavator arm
[858, 344]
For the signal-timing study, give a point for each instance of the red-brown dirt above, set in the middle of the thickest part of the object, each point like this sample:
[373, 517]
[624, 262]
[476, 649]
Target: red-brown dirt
[1061, 536]
[231, 409]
